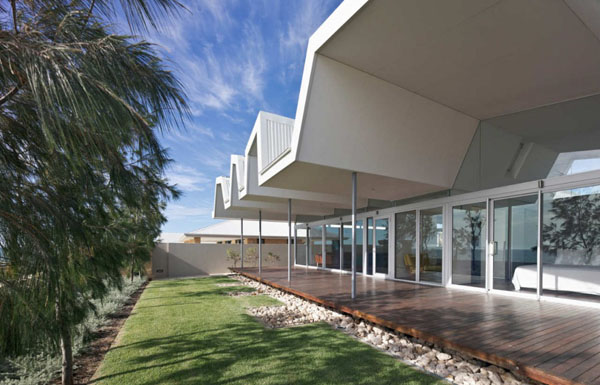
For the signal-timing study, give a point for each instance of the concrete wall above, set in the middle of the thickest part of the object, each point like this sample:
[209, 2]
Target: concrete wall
[171, 260]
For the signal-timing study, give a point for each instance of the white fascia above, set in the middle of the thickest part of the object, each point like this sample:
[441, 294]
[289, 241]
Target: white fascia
[342, 14]
[248, 171]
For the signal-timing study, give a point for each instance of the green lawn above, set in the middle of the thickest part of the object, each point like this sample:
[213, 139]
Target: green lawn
[187, 332]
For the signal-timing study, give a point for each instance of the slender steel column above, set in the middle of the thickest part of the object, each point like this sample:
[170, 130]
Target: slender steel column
[289, 239]
[259, 242]
[242, 242]
[354, 182]
[295, 242]
[540, 241]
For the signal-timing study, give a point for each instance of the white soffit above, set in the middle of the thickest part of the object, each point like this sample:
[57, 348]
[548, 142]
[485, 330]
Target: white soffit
[319, 178]
[484, 58]
[355, 121]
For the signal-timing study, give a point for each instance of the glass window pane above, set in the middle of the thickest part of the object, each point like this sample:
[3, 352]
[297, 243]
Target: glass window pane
[432, 235]
[381, 245]
[515, 239]
[370, 246]
[571, 243]
[300, 250]
[347, 246]
[332, 246]
[468, 244]
[406, 230]
[316, 243]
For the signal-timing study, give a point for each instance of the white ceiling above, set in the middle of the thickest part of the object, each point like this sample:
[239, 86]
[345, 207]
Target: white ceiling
[485, 58]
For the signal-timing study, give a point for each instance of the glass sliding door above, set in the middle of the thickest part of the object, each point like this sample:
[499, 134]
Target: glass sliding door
[571, 244]
[405, 247]
[347, 246]
[300, 250]
[432, 235]
[332, 246]
[369, 264]
[381, 245]
[515, 244]
[468, 244]
[316, 242]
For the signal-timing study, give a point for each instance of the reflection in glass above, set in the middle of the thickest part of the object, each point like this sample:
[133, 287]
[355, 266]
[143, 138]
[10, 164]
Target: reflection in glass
[431, 231]
[381, 245]
[332, 246]
[347, 246]
[571, 243]
[405, 261]
[316, 243]
[370, 246]
[468, 244]
[515, 243]
[300, 251]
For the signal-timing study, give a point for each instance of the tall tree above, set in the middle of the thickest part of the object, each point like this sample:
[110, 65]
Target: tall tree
[81, 169]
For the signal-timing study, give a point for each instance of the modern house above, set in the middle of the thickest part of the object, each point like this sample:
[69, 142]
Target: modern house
[460, 140]
[474, 130]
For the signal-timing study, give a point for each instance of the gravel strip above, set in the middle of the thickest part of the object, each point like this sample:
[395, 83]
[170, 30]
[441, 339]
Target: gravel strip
[450, 365]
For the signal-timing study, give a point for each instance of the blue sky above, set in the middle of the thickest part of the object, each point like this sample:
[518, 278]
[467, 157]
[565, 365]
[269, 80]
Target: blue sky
[234, 57]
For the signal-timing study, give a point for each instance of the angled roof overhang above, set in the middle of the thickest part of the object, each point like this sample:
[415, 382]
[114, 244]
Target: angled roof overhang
[395, 90]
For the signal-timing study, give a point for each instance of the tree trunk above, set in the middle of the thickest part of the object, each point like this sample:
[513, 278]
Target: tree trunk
[66, 347]
[132, 269]
[67, 357]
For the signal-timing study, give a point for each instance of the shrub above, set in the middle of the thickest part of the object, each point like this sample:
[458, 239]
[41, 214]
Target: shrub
[41, 366]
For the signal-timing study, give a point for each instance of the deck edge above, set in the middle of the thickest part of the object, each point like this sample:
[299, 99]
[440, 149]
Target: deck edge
[506, 363]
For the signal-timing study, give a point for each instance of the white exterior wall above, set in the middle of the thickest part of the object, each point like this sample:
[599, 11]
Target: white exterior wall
[357, 122]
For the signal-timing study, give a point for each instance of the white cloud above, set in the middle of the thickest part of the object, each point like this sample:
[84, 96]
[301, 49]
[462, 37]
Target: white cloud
[188, 178]
[215, 159]
[177, 211]
[293, 42]
[225, 70]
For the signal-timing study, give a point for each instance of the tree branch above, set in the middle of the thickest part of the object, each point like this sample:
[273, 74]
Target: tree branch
[9, 95]
[13, 5]
[89, 14]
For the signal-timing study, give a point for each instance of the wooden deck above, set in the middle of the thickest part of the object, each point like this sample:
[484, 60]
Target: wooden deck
[552, 343]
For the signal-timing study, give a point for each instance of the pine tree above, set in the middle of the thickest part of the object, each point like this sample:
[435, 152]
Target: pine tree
[81, 170]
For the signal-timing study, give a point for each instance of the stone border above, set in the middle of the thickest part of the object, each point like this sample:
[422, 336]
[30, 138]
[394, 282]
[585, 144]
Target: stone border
[447, 364]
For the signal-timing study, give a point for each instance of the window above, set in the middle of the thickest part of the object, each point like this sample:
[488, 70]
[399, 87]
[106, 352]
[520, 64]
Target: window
[405, 247]
[332, 246]
[468, 244]
[431, 243]
[381, 245]
[316, 243]
[571, 243]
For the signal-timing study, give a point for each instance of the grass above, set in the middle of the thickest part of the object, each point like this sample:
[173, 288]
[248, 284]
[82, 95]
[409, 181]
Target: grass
[188, 332]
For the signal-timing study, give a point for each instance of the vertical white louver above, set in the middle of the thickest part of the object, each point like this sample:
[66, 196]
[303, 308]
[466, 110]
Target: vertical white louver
[277, 140]
[226, 187]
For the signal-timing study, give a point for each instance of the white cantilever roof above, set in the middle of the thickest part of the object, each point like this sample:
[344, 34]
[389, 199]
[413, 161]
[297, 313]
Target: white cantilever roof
[394, 90]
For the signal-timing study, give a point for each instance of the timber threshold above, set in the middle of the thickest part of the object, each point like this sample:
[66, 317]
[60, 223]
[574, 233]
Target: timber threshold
[553, 343]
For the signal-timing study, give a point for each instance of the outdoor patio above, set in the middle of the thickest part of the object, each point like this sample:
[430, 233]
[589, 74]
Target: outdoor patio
[553, 343]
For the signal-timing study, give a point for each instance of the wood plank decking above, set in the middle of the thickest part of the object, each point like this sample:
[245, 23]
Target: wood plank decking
[552, 343]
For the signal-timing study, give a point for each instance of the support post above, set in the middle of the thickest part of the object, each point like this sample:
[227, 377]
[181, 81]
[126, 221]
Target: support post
[354, 182]
[259, 242]
[242, 242]
[540, 242]
[295, 242]
[289, 239]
